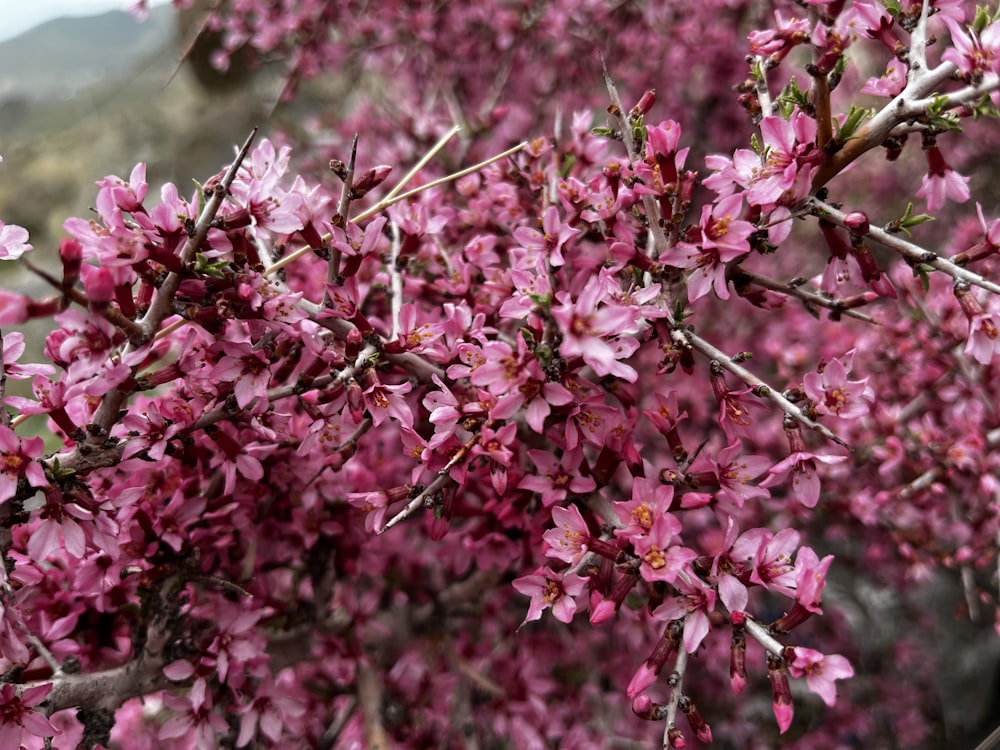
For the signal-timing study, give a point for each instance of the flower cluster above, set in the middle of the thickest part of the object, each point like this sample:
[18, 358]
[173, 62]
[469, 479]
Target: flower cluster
[323, 459]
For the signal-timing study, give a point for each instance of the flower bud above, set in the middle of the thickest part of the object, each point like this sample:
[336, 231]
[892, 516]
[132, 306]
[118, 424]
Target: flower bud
[857, 222]
[369, 180]
[645, 104]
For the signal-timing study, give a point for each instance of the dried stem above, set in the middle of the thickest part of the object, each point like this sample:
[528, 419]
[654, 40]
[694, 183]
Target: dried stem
[369, 688]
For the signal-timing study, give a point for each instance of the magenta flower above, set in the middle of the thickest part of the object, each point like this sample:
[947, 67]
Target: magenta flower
[568, 540]
[789, 162]
[18, 722]
[802, 468]
[650, 500]
[387, 402]
[277, 707]
[695, 603]
[834, 394]
[723, 238]
[59, 517]
[194, 717]
[735, 474]
[973, 54]
[546, 245]
[772, 558]
[13, 348]
[548, 588]
[116, 195]
[598, 332]
[659, 560]
[17, 460]
[810, 575]
[820, 671]
[984, 337]
[554, 478]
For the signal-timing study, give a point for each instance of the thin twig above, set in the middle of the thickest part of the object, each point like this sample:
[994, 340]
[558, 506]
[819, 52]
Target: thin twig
[912, 253]
[4, 414]
[760, 634]
[806, 294]
[676, 691]
[760, 387]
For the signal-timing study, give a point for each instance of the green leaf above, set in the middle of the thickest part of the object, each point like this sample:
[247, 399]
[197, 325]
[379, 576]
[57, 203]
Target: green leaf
[214, 268]
[855, 117]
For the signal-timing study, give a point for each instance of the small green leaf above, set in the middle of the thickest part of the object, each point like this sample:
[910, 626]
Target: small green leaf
[923, 272]
[214, 268]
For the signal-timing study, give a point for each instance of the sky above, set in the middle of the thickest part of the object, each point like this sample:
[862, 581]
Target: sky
[17, 16]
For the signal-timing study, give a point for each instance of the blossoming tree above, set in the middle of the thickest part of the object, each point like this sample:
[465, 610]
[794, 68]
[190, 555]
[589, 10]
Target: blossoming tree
[329, 452]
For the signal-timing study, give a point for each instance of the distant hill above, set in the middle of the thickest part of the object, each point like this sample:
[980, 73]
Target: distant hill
[62, 56]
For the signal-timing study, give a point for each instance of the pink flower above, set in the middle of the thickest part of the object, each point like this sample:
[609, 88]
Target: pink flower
[568, 540]
[723, 238]
[17, 721]
[17, 460]
[193, 717]
[734, 473]
[13, 241]
[941, 182]
[59, 517]
[277, 706]
[116, 195]
[695, 603]
[550, 589]
[772, 558]
[659, 560]
[387, 402]
[650, 500]
[546, 245]
[810, 574]
[820, 671]
[802, 468]
[834, 394]
[598, 332]
[556, 477]
[984, 337]
[973, 54]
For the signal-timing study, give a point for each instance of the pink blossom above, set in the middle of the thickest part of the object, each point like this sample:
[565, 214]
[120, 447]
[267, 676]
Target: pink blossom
[834, 394]
[18, 723]
[548, 588]
[660, 559]
[973, 54]
[801, 466]
[694, 604]
[546, 245]
[18, 459]
[556, 477]
[13, 241]
[820, 671]
[568, 540]
[941, 182]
